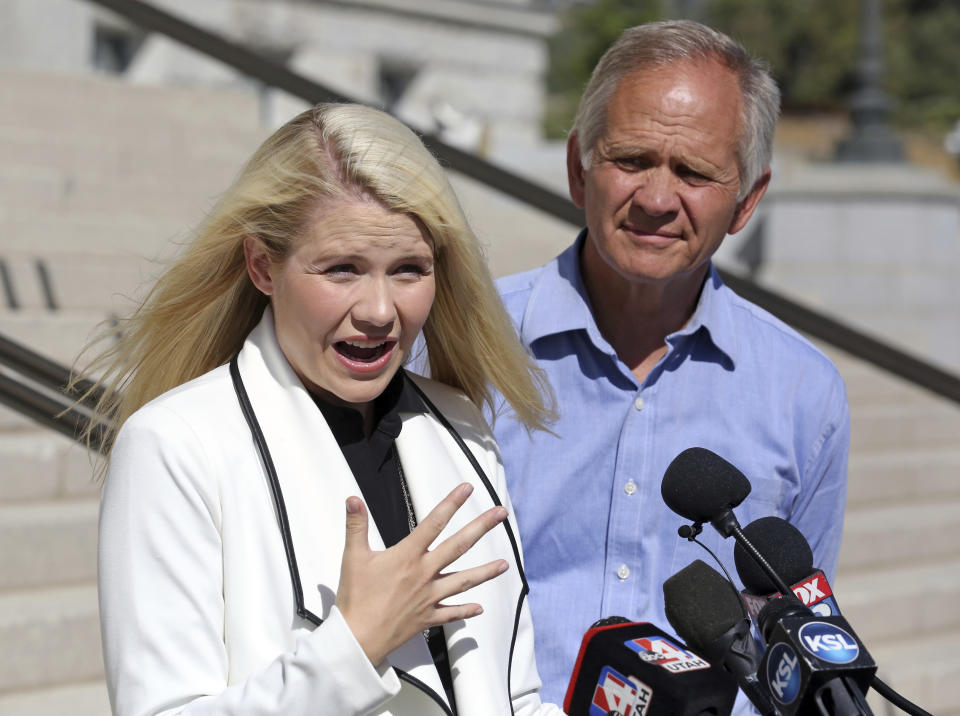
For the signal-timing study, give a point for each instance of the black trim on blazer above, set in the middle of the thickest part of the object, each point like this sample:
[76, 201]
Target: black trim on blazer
[260, 441]
[513, 644]
[414, 681]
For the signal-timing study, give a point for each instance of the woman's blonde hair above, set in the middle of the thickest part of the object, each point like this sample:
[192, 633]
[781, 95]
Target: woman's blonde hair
[202, 307]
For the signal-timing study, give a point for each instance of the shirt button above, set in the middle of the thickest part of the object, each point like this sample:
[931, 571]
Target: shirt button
[638, 403]
[623, 572]
[630, 487]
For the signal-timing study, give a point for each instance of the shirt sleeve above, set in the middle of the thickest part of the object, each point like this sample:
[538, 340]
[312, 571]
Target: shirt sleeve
[819, 508]
[162, 604]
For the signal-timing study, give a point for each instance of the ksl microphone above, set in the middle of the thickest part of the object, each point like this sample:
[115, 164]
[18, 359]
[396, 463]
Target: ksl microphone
[789, 553]
[810, 648]
[813, 664]
[635, 669]
[706, 611]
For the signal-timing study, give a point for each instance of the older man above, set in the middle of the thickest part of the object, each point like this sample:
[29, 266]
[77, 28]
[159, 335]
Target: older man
[649, 353]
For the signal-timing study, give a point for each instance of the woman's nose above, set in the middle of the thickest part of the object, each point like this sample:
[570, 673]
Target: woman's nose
[375, 305]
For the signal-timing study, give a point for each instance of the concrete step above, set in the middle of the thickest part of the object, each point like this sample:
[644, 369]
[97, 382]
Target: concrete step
[122, 232]
[52, 638]
[904, 425]
[888, 537]
[63, 189]
[869, 385]
[113, 156]
[40, 465]
[903, 603]
[83, 699]
[45, 544]
[924, 670]
[37, 99]
[70, 284]
[903, 475]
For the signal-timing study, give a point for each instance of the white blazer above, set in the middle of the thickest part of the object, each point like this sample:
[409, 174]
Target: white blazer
[217, 588]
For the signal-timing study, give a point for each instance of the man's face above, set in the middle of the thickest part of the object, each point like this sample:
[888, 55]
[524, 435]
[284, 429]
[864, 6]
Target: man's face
[661, 190]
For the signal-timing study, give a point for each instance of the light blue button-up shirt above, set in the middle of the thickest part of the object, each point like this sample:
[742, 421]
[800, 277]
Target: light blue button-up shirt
[597, 538]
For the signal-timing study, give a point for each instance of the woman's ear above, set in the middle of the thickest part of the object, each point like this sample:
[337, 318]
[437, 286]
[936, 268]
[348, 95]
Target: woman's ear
[258, 264]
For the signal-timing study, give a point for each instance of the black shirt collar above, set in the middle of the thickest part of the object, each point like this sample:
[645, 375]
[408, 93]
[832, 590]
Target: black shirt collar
[399, 396]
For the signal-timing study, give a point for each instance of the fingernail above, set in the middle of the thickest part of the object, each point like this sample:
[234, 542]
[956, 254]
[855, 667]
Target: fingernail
[353, 505]
[477, 612]
[501, 513]
[503, 568]
[465, 489]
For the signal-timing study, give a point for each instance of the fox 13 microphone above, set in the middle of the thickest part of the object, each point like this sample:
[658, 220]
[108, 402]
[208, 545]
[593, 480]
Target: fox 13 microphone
[789, 553]
[629, 668]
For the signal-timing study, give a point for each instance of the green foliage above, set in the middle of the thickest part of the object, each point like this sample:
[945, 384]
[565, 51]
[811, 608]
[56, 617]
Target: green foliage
[923, 61]
[587, 31]
[811, 46]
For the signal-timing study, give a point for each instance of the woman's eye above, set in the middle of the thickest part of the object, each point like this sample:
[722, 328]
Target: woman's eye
[340, 270]
[413, 270]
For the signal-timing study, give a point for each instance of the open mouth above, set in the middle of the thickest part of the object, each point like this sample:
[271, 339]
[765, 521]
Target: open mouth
[362, 352]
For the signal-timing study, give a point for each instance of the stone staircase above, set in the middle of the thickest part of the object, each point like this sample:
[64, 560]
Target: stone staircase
[98, 181]
[899, 577]
[98, 177]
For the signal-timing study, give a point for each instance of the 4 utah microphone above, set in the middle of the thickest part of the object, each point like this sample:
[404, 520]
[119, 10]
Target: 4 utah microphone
[781, 640]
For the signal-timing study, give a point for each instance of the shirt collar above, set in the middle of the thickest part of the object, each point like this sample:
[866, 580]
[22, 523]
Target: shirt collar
[559, 303]
[712, 318]
[398, 397]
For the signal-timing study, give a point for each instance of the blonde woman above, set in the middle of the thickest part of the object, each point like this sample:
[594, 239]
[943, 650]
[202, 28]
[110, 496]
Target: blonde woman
[261, 416]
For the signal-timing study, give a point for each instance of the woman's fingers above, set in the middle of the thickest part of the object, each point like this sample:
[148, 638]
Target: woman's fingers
[388, 596]
[458, 544]
[448, 585]
[432, 525]
[357, 527]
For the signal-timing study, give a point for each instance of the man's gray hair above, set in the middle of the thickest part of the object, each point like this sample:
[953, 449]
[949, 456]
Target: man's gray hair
[656, 44]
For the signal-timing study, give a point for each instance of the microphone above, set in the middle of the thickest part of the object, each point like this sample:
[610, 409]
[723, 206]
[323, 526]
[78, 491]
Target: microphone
[703, 487]
[813, 665]
[789, 553]
[635, 669]
[706, 611]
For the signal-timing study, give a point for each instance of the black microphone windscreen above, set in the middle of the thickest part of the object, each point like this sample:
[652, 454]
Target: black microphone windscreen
[785, 549]
[701, 605]
[700, 485]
